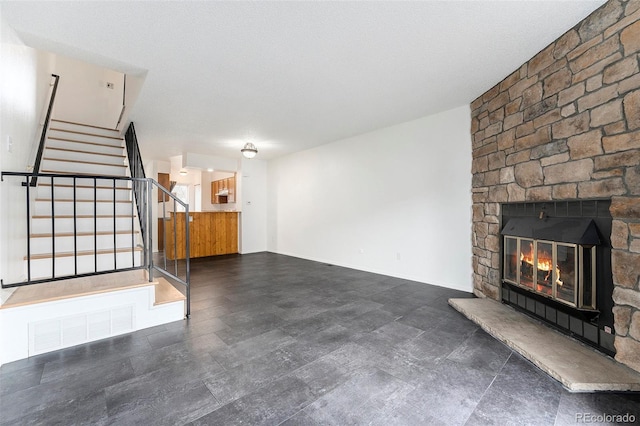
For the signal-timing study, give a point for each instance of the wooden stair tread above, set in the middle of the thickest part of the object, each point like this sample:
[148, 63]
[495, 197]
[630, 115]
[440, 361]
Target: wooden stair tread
[97, 163]
[75, 132]
[53, 148]
[167, 293]
[82, 175]
[63, 185]
[83, 125]
[110, 145]
[83, 234]
[81, 216]
[67, 200]
[76, 287]
[83, 253]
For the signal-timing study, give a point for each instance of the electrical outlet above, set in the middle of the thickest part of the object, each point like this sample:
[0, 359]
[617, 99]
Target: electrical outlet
[9, 144]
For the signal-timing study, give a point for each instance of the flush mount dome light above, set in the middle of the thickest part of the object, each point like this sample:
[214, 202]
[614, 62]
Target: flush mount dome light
[183, 172]
[249, 150]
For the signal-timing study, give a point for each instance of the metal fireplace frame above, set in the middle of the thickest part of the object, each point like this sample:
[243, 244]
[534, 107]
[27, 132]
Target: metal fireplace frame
[584, 225]
[580, 235]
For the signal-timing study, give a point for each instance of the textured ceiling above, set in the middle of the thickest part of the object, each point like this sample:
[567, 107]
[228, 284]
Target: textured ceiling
[292, 75]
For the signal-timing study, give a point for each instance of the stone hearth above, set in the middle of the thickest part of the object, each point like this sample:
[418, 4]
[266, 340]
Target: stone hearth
[578, 367]
[566, 126]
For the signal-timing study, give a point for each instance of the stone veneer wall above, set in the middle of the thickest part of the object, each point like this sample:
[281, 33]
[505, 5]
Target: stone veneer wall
[566, 126]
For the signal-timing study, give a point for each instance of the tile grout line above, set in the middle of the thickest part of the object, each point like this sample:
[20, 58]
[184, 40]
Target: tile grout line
[490, 384]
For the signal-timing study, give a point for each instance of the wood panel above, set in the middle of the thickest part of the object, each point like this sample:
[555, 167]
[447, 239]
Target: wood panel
[231, 185]
[160, 234]
[210, 234]
[164, 180]
[215, 188]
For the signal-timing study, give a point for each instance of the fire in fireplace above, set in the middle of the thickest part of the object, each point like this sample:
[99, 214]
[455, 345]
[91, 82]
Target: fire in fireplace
[553, 257]
[556, 266]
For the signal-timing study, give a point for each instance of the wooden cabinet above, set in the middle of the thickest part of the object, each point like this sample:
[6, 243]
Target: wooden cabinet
[164, 180]
[223, 191]
[210, 234]
[231, 188]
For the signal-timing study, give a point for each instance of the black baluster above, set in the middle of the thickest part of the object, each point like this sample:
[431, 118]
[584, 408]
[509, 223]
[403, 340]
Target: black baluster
[28, 232]
[53, 231]
[75, 228]
[95, 224]
[115, 250]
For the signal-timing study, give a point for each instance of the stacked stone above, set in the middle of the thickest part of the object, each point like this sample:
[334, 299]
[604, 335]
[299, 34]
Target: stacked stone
[566, 126]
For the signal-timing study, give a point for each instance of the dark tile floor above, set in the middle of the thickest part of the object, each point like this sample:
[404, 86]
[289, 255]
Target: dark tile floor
[279, 340]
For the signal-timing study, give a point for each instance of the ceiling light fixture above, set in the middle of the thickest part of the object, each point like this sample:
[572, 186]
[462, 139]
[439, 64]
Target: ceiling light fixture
[249, 150]
[183, 172]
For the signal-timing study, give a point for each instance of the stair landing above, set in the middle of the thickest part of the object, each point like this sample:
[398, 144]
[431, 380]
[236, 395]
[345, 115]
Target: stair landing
[59, 314]
[76, 287]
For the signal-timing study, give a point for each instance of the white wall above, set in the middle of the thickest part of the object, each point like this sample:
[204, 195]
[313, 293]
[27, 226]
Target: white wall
[83, 96]
[396, 201]
[252, 185]
[25, 75]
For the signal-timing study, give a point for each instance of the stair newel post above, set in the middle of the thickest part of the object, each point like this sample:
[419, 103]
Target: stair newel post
[53, 231]
[149, 250]
[164, 228]
[175, 238]
[188, 289]
[133, 241]
[28, 231]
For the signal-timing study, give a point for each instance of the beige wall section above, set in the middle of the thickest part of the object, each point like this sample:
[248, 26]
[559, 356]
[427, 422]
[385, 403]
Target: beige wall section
[83, 95]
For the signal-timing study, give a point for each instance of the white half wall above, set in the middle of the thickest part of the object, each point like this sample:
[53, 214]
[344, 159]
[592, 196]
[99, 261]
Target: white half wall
[396, 201]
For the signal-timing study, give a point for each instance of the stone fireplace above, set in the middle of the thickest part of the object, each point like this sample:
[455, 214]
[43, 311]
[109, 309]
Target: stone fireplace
[560, 131]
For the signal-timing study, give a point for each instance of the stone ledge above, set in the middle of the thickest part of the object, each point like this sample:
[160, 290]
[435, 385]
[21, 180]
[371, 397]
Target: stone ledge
[578, 367]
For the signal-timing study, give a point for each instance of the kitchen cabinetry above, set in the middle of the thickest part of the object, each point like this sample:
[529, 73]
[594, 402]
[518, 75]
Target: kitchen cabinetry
[223, 191]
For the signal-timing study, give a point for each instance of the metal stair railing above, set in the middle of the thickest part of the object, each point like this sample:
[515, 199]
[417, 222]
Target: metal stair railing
[45, 129]
[90, 184]
[181, 272]
[141, 204]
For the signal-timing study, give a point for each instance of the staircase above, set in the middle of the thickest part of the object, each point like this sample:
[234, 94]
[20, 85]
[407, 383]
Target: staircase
[77, 149]
[83, 221]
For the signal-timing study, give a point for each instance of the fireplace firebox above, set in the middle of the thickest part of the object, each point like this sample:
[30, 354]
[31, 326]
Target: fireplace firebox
[554, 257]
[556, 265]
